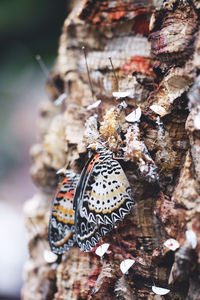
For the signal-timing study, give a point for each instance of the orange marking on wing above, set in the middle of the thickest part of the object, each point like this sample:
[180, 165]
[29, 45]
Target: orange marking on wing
[93, 162]
[66, 195]
[64, 210]
[63, 241]
[65, 180]
[61, 217]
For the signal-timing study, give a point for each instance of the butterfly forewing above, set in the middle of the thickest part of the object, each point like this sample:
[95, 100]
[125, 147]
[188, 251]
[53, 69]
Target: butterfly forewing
[105, 199]
[61, 225]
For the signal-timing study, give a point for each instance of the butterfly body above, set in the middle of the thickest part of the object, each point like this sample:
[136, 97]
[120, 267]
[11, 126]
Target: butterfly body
[102, 198]
[62, 224]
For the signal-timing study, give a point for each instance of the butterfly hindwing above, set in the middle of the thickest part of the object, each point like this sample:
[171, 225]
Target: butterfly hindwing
[103, 198]
[61, 225]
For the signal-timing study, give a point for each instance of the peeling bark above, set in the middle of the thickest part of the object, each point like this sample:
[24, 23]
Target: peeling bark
[158, 67]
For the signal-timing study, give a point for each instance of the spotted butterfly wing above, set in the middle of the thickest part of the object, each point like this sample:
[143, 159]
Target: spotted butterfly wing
[102, 198]
[61, 224]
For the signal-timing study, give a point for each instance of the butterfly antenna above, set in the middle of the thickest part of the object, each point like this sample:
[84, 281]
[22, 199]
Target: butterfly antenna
[46, 72]
[88, 73]
[116, 79]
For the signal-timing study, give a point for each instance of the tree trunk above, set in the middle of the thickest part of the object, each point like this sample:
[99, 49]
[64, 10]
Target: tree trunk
[155, 49]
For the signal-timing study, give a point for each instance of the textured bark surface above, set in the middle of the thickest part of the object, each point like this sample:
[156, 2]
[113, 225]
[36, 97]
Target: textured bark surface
[155, 48]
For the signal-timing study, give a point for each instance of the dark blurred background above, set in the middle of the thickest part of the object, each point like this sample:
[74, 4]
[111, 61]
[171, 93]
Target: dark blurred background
[27, 28]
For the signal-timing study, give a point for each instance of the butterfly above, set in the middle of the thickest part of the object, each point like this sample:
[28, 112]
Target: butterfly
[102, 197]
[61, 224]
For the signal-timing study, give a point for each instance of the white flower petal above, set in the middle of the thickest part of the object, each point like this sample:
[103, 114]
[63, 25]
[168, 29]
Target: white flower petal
[134, 116]
[172, 244]
[61, 171]
[159, 291]
[60, 99]
[49, 256]
[191, 238]
[101, 250]
[126, 264]
[94, 105]
[119, 95]
[197, 121]
[161, 111]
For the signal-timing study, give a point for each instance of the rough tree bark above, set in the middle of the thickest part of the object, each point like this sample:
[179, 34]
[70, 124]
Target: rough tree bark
[155, 48]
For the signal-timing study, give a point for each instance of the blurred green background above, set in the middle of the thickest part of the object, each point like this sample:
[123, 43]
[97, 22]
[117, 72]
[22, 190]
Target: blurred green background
[27, 28]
